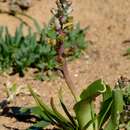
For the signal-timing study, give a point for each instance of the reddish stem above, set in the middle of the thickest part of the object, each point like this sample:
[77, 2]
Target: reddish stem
[65, 71]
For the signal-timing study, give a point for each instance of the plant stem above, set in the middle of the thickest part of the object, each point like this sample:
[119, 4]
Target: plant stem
[68, 80]
[62, 18]
[65, 71]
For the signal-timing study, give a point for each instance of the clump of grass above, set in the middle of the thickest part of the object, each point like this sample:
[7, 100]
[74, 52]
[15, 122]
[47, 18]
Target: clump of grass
[37, 49]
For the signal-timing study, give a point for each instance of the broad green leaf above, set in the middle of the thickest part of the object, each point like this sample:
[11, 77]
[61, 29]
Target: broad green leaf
[93, 90]
[83, 113]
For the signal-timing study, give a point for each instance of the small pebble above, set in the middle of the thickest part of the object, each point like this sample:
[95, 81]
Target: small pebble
[75, 75]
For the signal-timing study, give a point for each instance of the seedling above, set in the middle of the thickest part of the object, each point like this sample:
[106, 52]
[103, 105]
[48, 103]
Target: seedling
[12, 90]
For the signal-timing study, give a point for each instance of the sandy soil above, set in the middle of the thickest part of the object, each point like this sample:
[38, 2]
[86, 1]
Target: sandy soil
[108, 21]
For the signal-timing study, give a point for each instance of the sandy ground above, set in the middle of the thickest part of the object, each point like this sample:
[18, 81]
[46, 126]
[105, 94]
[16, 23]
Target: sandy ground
[109, 26]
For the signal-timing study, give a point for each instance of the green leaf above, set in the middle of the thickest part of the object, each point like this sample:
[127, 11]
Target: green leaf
[128, 51]
[110, 125]
[39, 125]
[60, 116]
[128, 126]
[90, 123]
[83, 113]
[68, 114]
[49, 112]
[1, 30]
[37, 111]
[51, 34]
[42, 121]
[18, 33]
[118, 101]
[7, 36]
[40, 102]
[35, 22]
[107, 94]
[93, 90]
[116, 109]
[105, 112]
[65, 108]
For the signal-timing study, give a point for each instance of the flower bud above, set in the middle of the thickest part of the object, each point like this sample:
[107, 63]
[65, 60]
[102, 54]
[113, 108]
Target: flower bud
[54, 11]
[57, 24]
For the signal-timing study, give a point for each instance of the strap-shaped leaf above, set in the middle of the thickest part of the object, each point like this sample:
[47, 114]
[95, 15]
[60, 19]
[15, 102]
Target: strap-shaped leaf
[48, 111]
[61, 118]
[40, 103]
[118, 103]
[93, 90]
[35, 22]
[18, 33]
[66, 110]
[68, 114]
[107, 94]
[116, 109]
[7, 37]
[1, 31]
[105, 112]
[55, 120]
